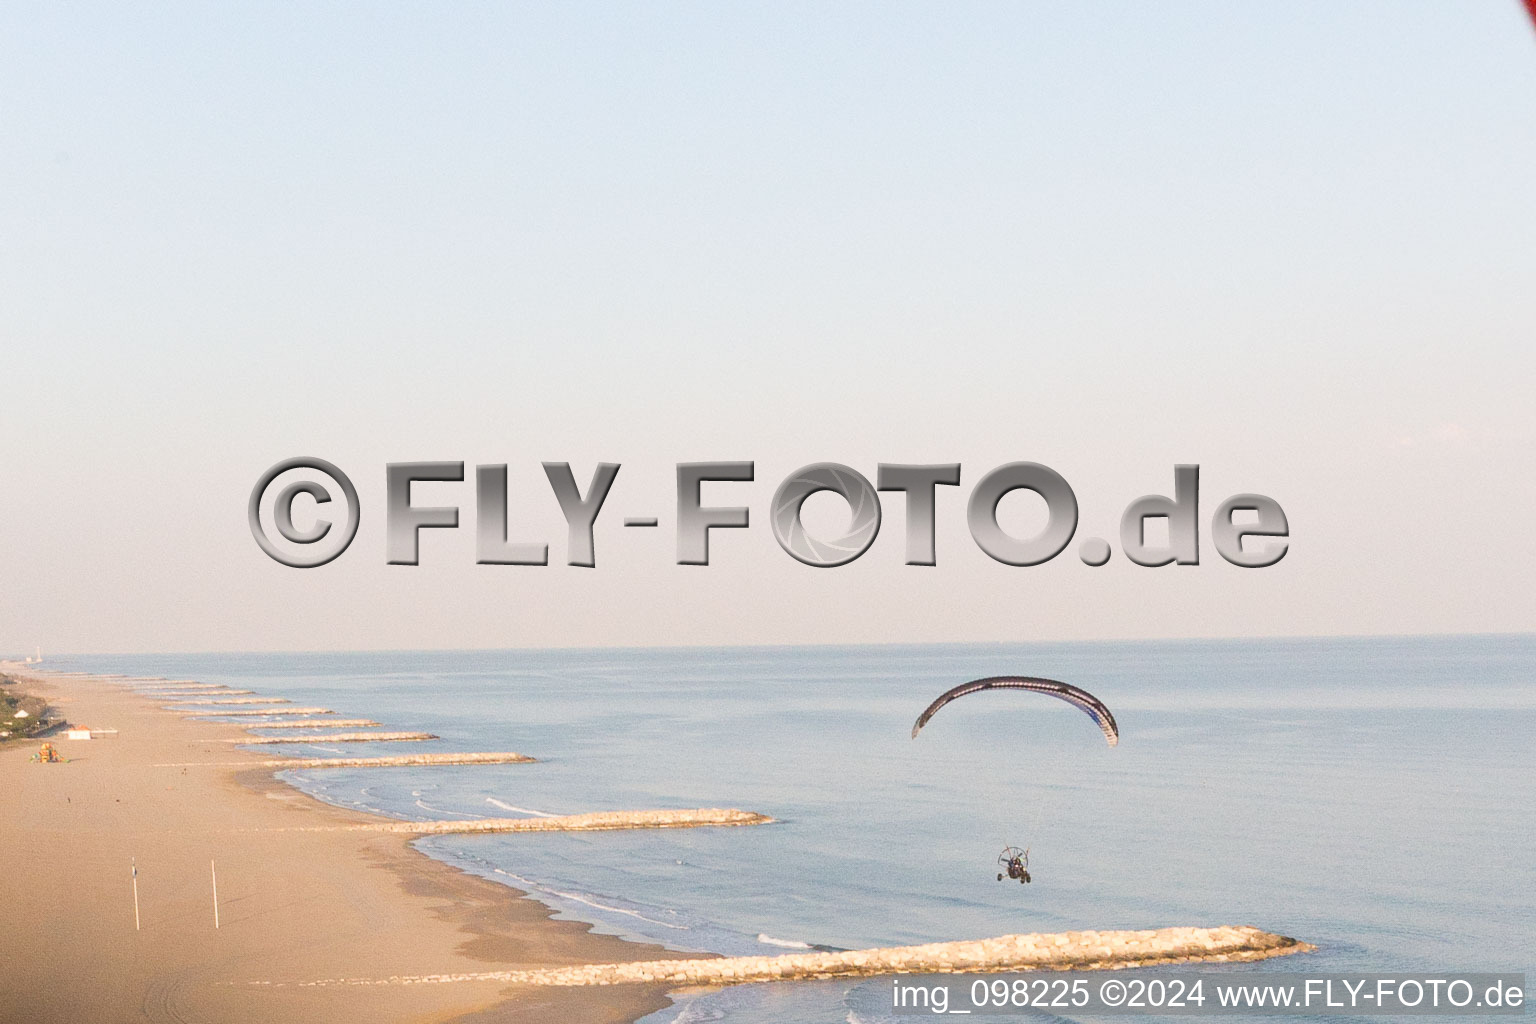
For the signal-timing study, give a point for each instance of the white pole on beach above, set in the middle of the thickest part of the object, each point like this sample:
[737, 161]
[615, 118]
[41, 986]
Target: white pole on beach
[214, 871]
[135, 894]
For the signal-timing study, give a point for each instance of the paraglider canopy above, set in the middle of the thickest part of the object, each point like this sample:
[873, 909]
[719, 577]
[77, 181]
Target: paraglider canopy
[1077, 697]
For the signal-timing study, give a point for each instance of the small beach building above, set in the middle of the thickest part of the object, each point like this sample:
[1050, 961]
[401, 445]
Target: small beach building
[88, 734]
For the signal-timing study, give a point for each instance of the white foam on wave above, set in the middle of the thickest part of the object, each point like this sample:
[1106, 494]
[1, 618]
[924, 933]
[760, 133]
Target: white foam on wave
[587, 900]
[517, 810]
[692, 1012]
[342, 801]
[769, 940]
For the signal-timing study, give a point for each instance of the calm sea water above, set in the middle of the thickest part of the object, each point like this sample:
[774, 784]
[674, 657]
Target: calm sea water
[1374, 796]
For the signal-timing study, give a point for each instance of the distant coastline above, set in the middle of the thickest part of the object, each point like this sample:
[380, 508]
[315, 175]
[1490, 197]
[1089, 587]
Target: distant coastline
[24, 715]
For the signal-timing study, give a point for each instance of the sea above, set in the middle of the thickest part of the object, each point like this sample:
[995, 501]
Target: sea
[1373, 796]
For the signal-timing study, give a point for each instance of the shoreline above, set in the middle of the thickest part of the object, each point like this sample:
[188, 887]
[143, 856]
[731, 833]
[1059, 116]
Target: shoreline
[301, 890]
[312, 935]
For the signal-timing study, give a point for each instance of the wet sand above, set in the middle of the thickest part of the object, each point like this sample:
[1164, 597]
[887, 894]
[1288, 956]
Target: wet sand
[296, 902]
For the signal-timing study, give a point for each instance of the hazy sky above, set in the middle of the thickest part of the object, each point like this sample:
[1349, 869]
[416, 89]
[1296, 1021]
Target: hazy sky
[1294, 243]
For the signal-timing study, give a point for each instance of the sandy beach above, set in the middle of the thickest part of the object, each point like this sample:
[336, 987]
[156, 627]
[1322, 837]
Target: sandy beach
[296, 902]
[328, 914]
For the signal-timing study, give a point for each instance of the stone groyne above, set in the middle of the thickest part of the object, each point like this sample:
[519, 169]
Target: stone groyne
[230, 700]
[402, 760]
[1060, 951]
[173, 694]
[314, 723]
[253, 711]
[595, 821]
[342, 737]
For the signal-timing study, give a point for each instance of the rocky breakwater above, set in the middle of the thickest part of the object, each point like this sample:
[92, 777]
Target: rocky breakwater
[177, 694]
[595, 821]
[397, 761]
[180, 705]
[316, 723]
[1091, 950]
[1060, 951]
[207, 712]
[340, 737]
